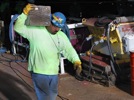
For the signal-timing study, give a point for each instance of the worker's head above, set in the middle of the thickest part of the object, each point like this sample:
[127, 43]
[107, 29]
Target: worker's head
[58, 21]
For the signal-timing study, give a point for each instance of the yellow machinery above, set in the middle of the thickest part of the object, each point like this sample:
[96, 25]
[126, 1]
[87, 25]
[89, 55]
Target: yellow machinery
[121, 36]
[112, 41]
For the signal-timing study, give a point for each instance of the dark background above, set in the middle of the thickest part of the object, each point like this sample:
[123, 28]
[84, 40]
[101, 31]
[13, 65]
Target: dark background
[71, 8]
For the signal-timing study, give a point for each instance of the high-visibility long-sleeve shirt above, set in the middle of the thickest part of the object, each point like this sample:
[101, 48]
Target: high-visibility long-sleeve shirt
[45, 47]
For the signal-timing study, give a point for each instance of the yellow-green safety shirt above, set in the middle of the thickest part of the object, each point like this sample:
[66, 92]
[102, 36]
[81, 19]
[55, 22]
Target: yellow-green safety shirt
[45, 47]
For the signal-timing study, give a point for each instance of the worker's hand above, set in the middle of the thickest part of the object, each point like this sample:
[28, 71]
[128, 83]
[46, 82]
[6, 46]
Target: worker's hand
[77, 67]
[78, 70]
[28, 8]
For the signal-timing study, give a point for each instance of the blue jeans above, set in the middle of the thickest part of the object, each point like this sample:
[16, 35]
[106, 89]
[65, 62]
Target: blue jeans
[46, 86]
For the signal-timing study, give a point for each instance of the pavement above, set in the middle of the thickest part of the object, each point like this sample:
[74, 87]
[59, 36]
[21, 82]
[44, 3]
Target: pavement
[16, 84]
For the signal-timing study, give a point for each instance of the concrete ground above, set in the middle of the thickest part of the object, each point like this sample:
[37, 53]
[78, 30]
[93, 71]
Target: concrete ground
[16, 84]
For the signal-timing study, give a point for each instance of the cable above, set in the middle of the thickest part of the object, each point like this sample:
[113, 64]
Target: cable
[21, 77]
[10, 61]
[11, 27]
[21, 66]
[16, 70]
[86, 39]
[90, 56]
[110, 49]
[11, 34]
[62, 98]
[90, 60]
[82, 45]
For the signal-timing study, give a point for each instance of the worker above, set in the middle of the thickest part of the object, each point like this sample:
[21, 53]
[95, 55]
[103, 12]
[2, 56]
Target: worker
[46, 45]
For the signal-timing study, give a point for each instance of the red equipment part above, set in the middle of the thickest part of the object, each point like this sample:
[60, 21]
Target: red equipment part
[97, 60]
[100, 63]
[132, 71]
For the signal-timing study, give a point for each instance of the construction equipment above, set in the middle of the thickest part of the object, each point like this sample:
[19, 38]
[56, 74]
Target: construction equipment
[112, 40]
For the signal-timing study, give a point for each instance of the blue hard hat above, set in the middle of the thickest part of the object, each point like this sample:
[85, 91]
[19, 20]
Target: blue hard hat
[58, 19]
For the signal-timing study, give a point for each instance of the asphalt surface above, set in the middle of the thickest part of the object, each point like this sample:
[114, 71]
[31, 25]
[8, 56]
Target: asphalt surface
[16, 84]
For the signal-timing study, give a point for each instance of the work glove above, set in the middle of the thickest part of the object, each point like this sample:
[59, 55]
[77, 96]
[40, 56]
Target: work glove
[78, 70]
[27, 9]
[77, 67]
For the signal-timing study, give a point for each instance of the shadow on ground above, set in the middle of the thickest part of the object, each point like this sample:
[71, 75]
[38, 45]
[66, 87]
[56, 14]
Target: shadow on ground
[12, 88]
[123, 82]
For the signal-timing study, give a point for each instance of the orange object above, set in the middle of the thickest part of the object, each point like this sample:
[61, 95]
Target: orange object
[132, 71]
